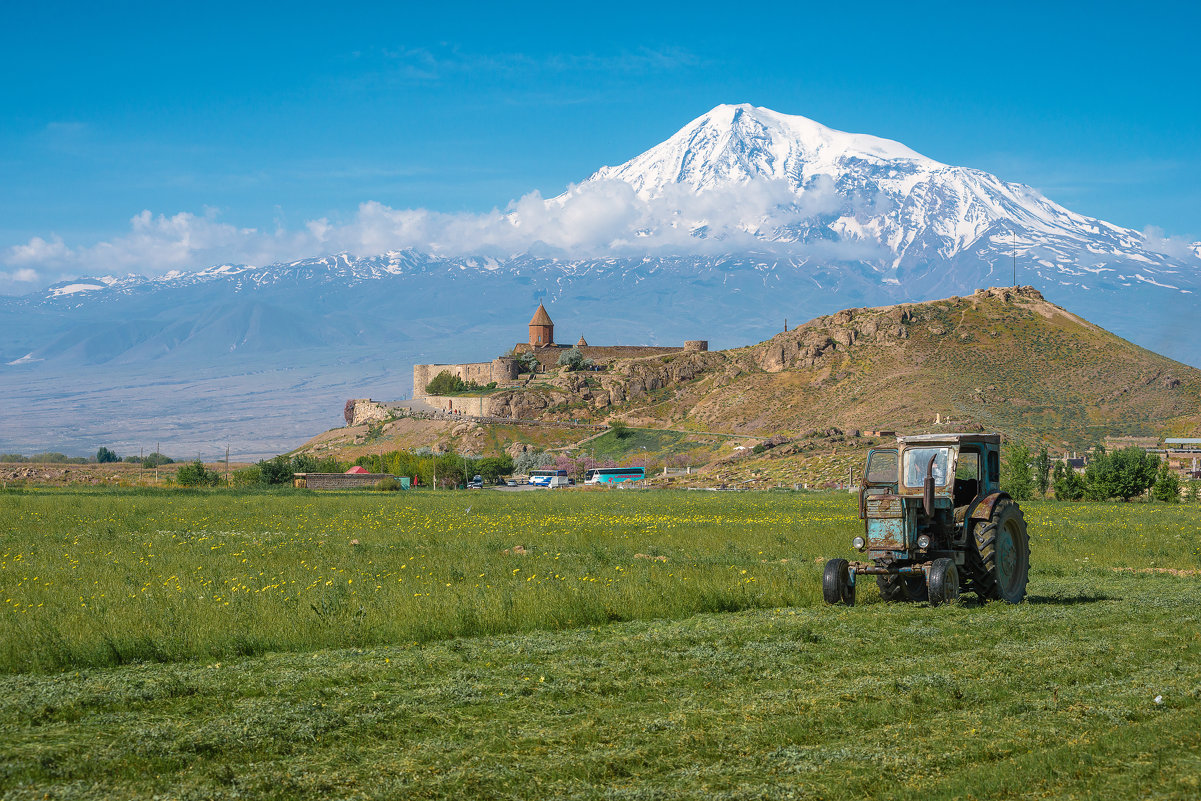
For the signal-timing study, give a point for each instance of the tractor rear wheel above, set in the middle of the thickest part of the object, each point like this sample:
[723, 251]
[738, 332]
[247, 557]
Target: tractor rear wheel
[999, 554]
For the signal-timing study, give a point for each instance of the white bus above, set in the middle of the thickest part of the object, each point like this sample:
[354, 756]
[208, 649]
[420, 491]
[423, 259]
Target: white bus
[548, 478]
[615, 475]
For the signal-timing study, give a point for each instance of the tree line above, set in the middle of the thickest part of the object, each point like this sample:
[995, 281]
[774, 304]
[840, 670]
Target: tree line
[1124, 474]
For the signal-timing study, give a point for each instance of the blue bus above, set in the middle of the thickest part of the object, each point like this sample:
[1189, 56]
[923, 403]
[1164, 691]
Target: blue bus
[615, 475]
[548, 478]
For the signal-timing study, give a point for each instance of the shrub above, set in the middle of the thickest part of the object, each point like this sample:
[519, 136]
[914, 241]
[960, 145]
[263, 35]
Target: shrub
[247, 476]
[388, 484]
[105, 456]
[1167, 485]
[196, 474]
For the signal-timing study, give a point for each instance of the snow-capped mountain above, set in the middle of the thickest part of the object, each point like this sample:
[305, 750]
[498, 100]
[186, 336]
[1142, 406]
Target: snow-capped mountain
[770, 216]
[919, 214]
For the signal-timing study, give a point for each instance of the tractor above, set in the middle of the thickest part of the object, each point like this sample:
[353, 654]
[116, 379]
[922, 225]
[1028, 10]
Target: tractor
[936, 523]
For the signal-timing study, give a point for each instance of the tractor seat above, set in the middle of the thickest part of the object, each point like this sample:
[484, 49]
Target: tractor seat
[964, 491]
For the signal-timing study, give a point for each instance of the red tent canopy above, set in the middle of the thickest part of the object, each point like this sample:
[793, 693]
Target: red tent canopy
[356, 469]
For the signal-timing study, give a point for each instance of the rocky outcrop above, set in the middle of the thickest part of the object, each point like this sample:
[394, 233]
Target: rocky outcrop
[366, 411]
[805, 346]
[523, 405]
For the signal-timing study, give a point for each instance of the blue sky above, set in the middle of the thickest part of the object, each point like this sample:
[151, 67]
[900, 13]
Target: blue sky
[268, 117]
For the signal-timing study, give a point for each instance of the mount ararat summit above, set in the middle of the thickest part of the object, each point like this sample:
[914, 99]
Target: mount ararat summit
[743, 218]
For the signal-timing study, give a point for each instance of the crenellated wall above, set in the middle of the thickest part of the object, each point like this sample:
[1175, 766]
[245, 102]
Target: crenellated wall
[502, 370]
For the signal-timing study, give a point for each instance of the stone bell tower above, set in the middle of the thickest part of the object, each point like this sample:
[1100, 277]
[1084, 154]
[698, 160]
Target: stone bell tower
[542, 330]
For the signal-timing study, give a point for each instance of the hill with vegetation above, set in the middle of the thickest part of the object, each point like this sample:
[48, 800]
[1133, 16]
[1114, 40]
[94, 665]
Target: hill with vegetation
[1001, 360]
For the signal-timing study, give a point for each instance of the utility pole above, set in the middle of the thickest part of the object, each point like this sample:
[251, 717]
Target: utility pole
[1015, 257]
[227, 463]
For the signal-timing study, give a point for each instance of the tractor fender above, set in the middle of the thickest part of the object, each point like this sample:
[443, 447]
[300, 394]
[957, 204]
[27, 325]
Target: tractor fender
[982, 509]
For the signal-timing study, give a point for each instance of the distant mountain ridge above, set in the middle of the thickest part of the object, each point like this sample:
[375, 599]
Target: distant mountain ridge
[814, 220]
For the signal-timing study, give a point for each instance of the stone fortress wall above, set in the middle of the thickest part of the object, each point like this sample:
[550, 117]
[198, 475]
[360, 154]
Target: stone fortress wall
[502, 370]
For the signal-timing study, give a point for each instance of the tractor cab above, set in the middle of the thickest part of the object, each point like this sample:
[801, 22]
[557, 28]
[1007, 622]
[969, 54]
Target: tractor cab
[921, 503]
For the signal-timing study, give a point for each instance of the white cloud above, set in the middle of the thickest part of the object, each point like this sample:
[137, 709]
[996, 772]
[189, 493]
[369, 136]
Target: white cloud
[595, 218]
[1174, 246]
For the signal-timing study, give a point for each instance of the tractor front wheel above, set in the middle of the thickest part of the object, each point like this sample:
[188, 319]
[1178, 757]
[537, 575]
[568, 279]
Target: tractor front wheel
[943, 582]
[837, 584]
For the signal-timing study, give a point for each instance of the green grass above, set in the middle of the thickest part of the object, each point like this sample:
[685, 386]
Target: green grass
[676, 698]
[640, 442]
[99, 578]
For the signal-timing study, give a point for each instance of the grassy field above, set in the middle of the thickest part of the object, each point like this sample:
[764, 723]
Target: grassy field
[221, 645]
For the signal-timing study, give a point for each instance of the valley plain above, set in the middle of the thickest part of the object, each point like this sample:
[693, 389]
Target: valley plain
[588, 644]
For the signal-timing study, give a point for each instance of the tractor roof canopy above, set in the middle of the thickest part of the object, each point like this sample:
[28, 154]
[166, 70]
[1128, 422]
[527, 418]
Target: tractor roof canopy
[951, 439]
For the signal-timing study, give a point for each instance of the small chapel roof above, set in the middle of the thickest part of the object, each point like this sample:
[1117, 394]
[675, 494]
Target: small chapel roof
[583, 343]
[541, 317]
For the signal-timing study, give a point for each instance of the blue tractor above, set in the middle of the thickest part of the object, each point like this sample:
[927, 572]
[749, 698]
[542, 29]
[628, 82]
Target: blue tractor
[936, 523]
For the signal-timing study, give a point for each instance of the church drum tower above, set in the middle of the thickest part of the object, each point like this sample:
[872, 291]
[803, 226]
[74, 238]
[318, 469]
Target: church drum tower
[542, 329]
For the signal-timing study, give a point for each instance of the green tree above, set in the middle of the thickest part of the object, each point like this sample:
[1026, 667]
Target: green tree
[157, 459]
[195, 474]
[531, 460]
[104, 456]
[1167, 485]
[1192, 492]
[1042, 471]
[619, 428]
[445, 383]
[275, 471]
[494, 468]
[1069, 485]
[574, 360]
[1016, 477]
[527, 362]
[1123, 474]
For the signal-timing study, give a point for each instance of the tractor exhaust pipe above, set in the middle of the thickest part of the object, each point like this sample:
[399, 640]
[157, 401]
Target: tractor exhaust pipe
[928, 489]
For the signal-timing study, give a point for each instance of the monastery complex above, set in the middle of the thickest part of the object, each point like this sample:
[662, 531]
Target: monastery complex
[504, 370]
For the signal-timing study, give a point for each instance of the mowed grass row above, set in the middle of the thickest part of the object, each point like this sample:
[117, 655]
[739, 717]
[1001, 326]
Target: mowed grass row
[93, 578]
[1092, 691]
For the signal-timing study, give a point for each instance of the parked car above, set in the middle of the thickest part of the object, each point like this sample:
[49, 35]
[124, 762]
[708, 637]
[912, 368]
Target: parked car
[476, 483]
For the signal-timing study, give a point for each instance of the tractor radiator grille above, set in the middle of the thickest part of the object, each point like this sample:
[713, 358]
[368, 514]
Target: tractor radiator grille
[883, 506]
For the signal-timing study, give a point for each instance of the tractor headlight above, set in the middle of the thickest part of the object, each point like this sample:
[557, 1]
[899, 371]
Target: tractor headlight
[923, 541]
[858, 543]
